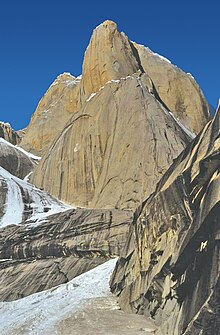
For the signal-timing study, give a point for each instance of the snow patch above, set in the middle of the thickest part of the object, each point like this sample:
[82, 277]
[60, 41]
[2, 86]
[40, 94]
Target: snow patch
[114, 81]
[107, 83]
[184, 128]
[77, 147]
[40, 203]
[6, 124]
[29, 154]
[99, 26]
[26, 178]
[14, 204]
[90, 97]
[154, 53]
[157, 55]
[180, 124]
[40, 312]
[70, 81]
[190, 75]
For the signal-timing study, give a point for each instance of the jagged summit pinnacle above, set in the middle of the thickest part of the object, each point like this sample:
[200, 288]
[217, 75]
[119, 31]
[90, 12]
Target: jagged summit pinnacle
[107, 24]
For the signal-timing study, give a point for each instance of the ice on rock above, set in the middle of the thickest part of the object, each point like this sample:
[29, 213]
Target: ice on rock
[21, 193]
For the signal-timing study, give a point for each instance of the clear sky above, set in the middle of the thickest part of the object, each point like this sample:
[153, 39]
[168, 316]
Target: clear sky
[41, 39]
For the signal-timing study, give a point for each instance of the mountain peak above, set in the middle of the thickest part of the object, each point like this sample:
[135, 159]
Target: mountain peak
[109, 24]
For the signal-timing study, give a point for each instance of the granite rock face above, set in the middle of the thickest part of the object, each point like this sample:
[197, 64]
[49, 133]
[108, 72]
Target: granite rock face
[17, 162]
[52, 113]
[37, 257]
[169, 268]
[118, 140]
[178, 90]
[9, 134]
[123, 137]
[109, 55]
[115, 149]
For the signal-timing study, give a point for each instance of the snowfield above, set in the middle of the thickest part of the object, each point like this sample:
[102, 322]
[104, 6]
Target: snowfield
[39, 313]
[20, 194]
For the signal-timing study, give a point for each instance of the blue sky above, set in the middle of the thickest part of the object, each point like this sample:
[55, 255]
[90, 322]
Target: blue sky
[41, 39]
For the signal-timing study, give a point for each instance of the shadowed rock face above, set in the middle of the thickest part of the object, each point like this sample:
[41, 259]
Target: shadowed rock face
[179, 91]
[169, 268]
[9, 134]
[115, 149]
[52, 113]
[15, 161]
[34, 258]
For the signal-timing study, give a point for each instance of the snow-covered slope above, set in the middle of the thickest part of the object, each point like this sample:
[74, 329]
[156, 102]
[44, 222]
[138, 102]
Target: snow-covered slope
[39, 313]
[23, 202]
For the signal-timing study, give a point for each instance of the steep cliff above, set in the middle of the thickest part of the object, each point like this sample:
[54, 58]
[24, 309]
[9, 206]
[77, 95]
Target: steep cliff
[178, 90]
[119, 139]
[52, 113]
[111, 55]
[114, 150]
[9, 134]
[170, 267]
[123, 137]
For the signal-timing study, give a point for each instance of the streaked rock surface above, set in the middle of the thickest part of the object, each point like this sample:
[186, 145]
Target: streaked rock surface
[106, 140]
[37, 257]
[170, 266]
[52, 113]
[111, 55]
[16, 161]
[115, 149]
[178, 90]
[123, 137]
[8, 133]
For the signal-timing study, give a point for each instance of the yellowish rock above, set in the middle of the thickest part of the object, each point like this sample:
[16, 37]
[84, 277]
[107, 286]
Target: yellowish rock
[114, 150]
[108, 56]
[178, 90]
[52, 113]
